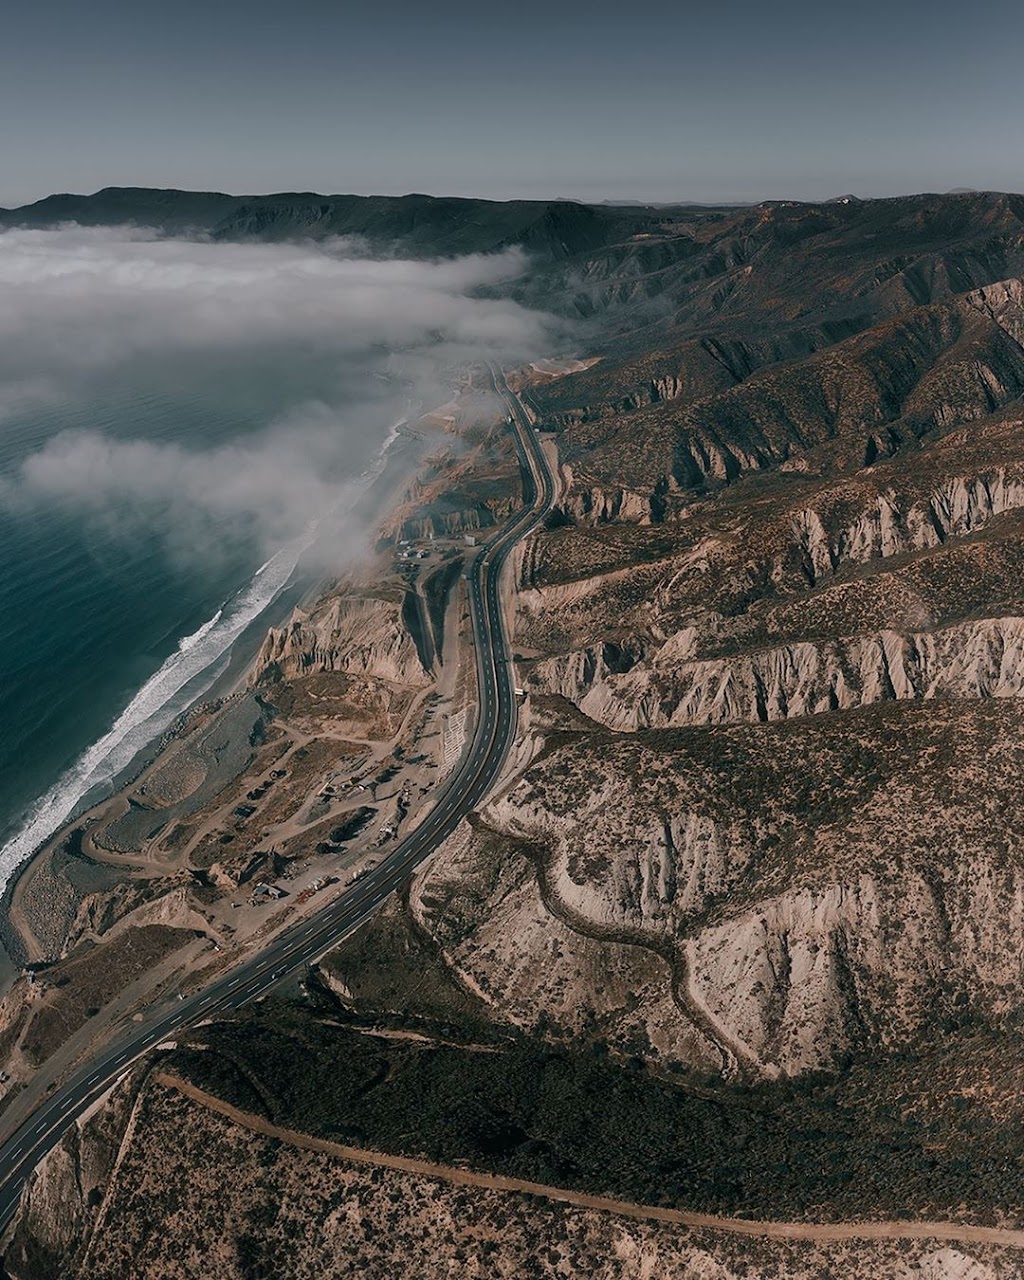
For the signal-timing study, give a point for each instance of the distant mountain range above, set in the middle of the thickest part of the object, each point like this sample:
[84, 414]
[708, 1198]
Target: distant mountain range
[424, 225]
[430, 226]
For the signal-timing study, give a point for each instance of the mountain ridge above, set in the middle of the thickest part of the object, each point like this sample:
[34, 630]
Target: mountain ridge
[755, 873]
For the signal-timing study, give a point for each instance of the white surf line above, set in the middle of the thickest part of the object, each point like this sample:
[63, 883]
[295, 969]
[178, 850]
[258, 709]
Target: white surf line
[101, 762]
[151, 710]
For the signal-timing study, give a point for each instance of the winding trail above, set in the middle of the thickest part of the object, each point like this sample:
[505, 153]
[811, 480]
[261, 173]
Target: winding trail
[736, 1058]
[959, 1233]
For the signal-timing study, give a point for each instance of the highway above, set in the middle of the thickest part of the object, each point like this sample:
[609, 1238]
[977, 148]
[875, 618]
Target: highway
[305, 941]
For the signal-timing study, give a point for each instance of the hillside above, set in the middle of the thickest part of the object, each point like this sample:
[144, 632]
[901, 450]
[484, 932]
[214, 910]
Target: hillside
[741, 931]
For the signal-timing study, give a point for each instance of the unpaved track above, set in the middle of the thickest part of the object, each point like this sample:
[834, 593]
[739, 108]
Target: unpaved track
[821, 1232]
[309, 937]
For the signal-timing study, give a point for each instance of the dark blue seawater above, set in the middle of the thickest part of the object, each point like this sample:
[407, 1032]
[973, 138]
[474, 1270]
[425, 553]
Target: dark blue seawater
[105, 639]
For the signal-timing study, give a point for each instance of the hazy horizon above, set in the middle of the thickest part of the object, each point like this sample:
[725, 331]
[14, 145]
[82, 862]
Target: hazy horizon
[399, 192]
[676, 103]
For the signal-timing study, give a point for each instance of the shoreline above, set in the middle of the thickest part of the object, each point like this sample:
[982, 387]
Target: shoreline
[400, 459]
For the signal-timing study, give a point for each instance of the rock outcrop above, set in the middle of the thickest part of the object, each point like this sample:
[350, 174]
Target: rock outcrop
[358, 635]
[667, 688]
[958, 506]
[819, 973]
[837, 900]
[599, 505]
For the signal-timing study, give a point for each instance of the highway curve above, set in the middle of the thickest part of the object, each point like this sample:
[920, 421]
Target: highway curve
[303, 942]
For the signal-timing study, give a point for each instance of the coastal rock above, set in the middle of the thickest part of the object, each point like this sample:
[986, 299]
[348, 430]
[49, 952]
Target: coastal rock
[359, 635]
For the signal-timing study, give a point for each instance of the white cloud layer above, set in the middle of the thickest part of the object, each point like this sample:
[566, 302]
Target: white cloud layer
[78, 298]
[81, 308]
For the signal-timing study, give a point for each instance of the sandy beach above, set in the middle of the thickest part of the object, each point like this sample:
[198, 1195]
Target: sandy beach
[45, 892]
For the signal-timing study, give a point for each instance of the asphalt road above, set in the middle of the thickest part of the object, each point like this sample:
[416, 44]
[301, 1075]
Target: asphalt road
[302, 943]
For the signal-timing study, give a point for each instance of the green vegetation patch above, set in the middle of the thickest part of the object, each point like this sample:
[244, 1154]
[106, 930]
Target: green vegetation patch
[813, 1149]
[393, 974]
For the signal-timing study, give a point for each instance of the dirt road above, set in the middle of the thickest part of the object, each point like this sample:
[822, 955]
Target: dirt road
[822, 1232]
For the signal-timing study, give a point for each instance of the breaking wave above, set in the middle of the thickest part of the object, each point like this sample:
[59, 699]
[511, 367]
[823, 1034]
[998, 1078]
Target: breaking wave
[184, 677]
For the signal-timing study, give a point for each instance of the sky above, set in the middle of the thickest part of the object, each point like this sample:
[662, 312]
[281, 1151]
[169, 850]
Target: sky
[734, 100]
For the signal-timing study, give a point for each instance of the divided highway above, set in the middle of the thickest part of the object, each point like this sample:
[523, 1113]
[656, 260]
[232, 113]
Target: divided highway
[303, 942]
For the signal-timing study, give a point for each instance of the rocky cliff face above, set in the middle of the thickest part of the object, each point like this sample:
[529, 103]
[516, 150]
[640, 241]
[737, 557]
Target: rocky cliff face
[838, 900]
[654, 390]
[845, 576]
[840, 408]
[820, 973]
[672, 868]
[959, 505]
[982, 659]
[1002, 302]
[356, 634]
[594, 504]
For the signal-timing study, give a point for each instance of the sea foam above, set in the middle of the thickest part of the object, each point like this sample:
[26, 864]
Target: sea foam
[184, 677]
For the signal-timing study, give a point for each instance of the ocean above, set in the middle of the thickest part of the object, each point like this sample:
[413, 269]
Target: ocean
[105, 640]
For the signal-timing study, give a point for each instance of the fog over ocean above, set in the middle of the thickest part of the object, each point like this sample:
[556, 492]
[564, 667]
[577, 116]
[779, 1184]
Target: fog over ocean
[180, 424]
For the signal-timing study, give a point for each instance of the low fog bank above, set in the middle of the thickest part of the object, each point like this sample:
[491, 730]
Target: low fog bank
[343, 344]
